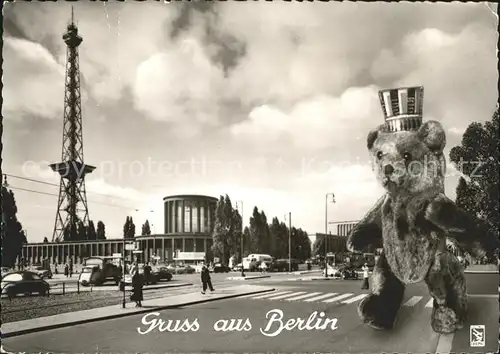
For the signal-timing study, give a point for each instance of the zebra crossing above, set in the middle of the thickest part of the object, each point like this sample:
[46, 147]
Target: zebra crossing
[328, 298]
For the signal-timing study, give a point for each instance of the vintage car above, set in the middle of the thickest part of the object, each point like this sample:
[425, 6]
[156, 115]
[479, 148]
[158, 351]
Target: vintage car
[99, 270]
[24, 282]
[162, 273]
[220, 268]
[42, 272]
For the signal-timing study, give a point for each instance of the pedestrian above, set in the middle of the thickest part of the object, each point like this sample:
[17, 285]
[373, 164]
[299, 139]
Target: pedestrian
[206, 280]
[365, 276]
[66, 270]
[147, 273]
[263, 267]
[137, 284]
[70, 268]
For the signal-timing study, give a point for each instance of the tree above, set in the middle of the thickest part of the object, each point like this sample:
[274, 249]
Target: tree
[91, 232]
[13, 236]
[255, 229]
[101, 230]
[478, 159]
[82, 231]
[129, 228]
[246, 241]
[45, 240]
[146, 229]
[223, 237]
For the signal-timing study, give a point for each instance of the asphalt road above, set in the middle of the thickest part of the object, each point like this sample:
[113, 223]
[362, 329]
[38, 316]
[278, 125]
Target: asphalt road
[412, 334]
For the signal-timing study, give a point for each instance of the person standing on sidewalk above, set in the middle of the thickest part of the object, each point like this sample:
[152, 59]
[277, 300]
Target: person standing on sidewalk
[137, 284]
[206, 279]
[365, 277]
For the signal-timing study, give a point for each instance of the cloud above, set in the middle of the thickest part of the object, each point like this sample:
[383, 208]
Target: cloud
[28, 70]
[180, 84]
[315, 123]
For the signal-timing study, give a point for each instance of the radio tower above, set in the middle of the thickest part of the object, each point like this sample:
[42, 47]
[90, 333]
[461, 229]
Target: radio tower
[72, 201]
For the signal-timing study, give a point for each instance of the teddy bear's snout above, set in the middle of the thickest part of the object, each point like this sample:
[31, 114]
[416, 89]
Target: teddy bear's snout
[388, 170]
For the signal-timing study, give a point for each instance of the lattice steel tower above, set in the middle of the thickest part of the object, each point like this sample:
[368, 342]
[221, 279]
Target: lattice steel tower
[72, 204]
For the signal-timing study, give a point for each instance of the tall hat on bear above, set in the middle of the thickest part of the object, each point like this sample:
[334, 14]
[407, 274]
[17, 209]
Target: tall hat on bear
[402, 107]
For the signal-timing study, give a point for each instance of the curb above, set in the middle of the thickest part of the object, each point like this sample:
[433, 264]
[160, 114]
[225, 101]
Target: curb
[125, 314]
[481, 271]
[165, 286]
[249, 278]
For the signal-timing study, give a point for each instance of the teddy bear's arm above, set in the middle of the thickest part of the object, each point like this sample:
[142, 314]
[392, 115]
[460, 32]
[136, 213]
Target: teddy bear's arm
[368, 231]
[470, 233]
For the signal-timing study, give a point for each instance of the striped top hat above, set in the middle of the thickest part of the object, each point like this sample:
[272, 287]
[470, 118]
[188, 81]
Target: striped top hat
[403, 108]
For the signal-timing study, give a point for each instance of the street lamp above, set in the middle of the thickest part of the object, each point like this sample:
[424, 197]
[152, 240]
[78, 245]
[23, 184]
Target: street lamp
[241, 251]
[326, 229]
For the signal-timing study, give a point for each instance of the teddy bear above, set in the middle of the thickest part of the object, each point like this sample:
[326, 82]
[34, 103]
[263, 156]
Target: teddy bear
[411, 223]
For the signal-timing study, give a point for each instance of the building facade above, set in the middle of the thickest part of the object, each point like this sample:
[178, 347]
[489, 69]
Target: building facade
[188, 220]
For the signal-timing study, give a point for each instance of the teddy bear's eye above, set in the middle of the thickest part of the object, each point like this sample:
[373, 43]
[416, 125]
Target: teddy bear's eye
[379, 155]
[407, 156]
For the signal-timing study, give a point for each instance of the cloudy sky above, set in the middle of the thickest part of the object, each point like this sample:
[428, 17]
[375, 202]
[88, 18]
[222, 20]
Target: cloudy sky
[270, 103]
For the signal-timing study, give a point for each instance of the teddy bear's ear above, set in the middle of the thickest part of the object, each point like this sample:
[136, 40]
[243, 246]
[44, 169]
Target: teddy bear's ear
[433, 135]
[373, 135]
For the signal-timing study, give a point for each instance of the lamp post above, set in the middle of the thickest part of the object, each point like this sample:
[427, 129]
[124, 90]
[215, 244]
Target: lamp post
[242, 236]
[326, 229]
[123, 275]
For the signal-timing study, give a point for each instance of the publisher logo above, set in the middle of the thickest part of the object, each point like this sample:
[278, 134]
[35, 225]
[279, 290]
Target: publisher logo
[477, 336]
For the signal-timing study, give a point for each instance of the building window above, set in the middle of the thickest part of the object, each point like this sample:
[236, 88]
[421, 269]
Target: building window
[200, 245]
[194, 217]
[172, 217]
[187, 217]
[189, 244]
[178, 245]
[178, 224]
[202, 219]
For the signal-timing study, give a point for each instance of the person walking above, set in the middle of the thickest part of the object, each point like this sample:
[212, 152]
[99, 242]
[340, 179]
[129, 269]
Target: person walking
[365, 276]
[206, 279]
[137, 284]
[263, 267]
[66, 270]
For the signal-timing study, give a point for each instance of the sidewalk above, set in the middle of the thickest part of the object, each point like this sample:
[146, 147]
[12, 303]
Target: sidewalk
[105, 313]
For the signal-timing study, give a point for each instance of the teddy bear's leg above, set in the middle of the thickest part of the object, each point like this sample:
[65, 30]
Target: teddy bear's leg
[446, 282]
[379, 309]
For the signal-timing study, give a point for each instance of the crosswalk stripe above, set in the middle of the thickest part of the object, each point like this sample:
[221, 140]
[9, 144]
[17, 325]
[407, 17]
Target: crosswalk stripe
[354, 299]
[271, 294]
[301, 296]
[413, 301]
[430, 303]
[324, 296]
[336, 298]
[286, 295]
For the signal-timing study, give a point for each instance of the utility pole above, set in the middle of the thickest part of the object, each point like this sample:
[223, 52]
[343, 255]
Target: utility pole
[326, 230]
[123, 275]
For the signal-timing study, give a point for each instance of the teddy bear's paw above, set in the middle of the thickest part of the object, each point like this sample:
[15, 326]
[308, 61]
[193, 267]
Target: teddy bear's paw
[445, 320]
[373, 314]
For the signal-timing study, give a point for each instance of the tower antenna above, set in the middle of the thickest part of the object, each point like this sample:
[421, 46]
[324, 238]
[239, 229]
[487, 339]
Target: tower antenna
[72, 201]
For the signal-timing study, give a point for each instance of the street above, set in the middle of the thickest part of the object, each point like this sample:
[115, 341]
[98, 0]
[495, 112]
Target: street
[338, 299]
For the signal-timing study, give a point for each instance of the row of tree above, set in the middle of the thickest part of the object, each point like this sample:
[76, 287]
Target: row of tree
[259, 237]
[84, 232]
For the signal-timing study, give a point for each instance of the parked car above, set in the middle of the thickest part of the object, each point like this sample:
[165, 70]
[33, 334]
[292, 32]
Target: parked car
[348, 272]
[43, 273]
[6, 271]
[162, 273]
[220, 268]
[24, 282]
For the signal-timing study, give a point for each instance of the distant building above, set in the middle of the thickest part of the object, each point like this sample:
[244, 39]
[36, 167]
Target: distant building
[189, 222]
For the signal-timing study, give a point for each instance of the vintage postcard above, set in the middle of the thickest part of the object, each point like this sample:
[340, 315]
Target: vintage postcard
[250, 177]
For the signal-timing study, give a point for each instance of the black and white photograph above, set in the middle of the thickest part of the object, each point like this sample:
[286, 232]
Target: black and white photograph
[250, 177]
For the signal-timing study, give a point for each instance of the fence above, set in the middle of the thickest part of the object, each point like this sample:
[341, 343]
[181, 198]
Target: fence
[55, 288]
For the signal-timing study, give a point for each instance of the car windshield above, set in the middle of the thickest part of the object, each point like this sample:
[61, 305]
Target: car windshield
[87, 270]
[13, 277]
